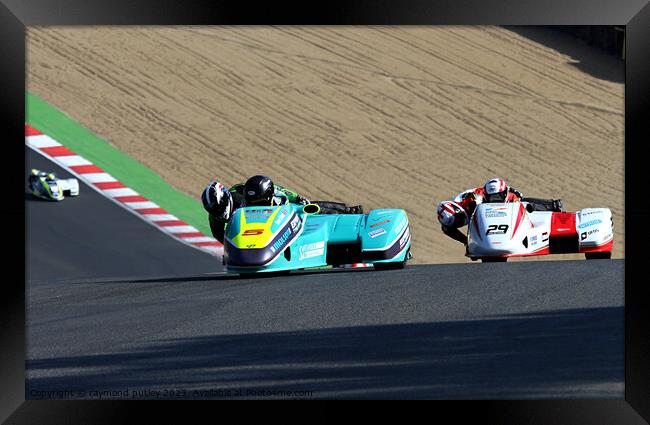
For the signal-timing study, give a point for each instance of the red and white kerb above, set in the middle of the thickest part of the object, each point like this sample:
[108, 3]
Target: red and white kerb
[124, 196]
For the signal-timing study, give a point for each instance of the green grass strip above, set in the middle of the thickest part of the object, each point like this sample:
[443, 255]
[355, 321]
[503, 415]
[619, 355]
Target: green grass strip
[52, 122]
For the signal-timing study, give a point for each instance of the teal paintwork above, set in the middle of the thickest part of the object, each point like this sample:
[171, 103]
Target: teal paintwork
[382, 236]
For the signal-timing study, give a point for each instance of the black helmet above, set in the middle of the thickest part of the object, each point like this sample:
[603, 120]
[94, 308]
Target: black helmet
[259, 190]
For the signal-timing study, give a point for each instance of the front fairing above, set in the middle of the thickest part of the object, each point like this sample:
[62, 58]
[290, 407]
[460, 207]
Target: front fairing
[47, 189]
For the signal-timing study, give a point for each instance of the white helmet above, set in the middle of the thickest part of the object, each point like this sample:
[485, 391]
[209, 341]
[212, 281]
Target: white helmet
[496, 190]
[450, 214]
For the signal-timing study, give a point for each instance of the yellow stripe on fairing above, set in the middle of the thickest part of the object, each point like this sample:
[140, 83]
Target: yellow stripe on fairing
[255, 241]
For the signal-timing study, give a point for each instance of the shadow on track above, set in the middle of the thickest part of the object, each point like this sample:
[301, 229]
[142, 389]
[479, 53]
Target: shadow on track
[567, 353]
[591, 60]
[29, 197]
[209, 277]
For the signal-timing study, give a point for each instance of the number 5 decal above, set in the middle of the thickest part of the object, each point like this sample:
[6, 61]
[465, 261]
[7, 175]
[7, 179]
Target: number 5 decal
[253, 232]
[493, 229]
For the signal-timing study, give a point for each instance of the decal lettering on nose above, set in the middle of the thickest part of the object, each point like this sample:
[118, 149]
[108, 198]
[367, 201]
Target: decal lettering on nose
[253, 232]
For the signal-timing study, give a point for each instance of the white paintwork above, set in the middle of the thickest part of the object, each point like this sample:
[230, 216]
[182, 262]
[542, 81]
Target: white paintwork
[593, 226]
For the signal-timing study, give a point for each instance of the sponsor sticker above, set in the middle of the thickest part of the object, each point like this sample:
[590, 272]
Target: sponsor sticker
[404, 238]
[282, 240]
[592, 212]
[401, 227]
[380, 223]
[533, 240]
[495, 212]
[295, 222]
[311, 250]
[584, 235]
[377, 232]
[590, 223]
[281, 216]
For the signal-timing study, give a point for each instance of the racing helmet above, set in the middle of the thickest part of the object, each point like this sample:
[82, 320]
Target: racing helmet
[450, 214]
[216, 199]
[259, 190]
[496, 190]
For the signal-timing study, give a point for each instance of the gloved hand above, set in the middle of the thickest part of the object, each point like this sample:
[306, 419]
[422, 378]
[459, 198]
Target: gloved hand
[518, 193]
[303, 200]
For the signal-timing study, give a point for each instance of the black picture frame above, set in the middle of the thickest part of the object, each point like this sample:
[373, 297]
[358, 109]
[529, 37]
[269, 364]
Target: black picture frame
[15, 15]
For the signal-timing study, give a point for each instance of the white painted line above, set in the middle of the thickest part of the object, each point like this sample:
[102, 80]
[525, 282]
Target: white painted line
[42, 141]
[73, 160]
[160, 217]
[99, 177]
[179, 229]
[141, 205]
[199, 239]
[123, 191]
[215, 250]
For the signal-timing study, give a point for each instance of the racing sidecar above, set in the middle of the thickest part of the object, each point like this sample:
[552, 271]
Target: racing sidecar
[290, 237]
[497, 231]
[47, 186]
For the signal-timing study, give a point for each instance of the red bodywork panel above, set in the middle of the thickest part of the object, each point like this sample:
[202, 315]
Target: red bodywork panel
[520, 215]
[563, 224]
[475, 222]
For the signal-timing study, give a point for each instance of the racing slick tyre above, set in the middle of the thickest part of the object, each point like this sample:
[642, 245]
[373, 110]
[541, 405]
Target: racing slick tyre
[393, 266]
[389, 266]
[494, 260]
[253, 275]
[598, 255]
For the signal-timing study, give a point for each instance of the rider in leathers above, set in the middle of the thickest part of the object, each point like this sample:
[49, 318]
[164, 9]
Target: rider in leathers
[455, 214]
[220, 202]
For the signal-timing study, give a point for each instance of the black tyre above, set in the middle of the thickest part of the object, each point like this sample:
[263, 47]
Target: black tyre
[598, 255]
[390, 266]
[266, 275]
[393, 266]
[494, 260]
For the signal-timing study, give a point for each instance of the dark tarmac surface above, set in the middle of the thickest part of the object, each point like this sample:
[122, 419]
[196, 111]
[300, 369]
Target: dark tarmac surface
[160, 316]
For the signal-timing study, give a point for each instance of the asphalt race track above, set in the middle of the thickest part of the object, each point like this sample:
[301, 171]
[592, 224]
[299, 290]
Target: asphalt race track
[135, 314]
[91, 236]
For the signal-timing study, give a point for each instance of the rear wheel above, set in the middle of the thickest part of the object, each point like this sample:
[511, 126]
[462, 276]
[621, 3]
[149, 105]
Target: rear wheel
[598, 255]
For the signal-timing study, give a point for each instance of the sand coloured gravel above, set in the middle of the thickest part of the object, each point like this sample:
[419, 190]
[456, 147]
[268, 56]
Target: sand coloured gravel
[381, 116]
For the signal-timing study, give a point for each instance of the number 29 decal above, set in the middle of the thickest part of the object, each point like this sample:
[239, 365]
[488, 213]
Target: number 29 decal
[493, 229]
